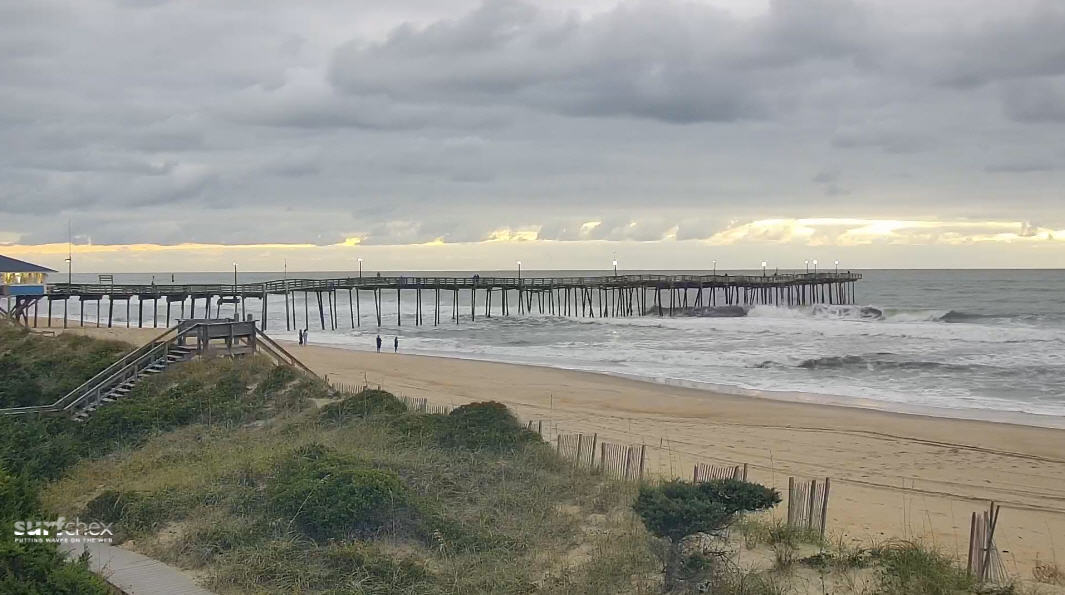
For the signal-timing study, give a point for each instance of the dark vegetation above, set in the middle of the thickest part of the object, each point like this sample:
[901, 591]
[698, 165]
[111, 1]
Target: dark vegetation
[676, 509]
[37, 371]
[224, 466]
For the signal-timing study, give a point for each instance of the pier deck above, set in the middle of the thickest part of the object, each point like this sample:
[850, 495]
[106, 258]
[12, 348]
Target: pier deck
[604, 296]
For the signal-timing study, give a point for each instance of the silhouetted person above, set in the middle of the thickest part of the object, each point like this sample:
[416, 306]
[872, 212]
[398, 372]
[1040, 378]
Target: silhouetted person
[299, 333]
[378, 343]
[306, 336]
[395, 344]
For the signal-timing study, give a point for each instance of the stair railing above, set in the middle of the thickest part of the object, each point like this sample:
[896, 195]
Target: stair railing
[279, 353]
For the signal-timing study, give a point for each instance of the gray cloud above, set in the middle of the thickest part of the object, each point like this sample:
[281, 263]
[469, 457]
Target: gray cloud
[408, 122]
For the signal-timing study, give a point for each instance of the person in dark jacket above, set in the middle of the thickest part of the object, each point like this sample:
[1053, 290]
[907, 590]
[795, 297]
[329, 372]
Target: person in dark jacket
[378, 343]
[395, 344]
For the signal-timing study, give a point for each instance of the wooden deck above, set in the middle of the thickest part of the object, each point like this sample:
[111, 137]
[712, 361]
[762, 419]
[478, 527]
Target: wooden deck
[604, 296]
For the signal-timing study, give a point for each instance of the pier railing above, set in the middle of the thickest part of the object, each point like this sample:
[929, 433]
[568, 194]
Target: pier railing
[60, 290]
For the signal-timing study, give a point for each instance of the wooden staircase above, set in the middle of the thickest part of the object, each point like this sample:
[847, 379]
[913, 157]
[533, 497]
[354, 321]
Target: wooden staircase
[188, 340]
[175, 355]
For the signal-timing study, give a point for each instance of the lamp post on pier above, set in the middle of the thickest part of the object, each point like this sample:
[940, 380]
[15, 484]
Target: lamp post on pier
[837, 267]
[615, 267]
[815, 266]
[234, 278]
[715, 267]
[519, 272]
[807, 263]
[360, 267]
[763, 268]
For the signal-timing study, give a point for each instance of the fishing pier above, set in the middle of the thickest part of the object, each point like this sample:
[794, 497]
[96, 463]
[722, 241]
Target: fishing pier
[589, 297]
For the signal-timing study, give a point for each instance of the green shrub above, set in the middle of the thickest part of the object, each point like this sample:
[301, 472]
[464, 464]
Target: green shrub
[135, 513]
[36, 370]
[18, 387]
[678, 508]
[329, 495]
[40, 448]
[488, 425]
[379, 572]
[208, 537]
[365, 403]
[907, 567]
[39, 569]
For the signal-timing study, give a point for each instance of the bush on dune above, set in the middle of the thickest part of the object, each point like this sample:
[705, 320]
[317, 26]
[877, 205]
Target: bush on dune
[326, 494]
[362, 404]
[488, 425]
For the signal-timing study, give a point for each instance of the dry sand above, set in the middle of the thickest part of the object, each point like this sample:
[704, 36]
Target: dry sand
[894, 476]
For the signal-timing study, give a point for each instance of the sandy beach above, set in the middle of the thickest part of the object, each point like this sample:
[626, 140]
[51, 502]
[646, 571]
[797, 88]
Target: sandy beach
[893, 475]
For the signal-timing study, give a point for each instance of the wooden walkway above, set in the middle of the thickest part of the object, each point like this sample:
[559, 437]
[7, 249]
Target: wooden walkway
[133, 573]
[588, 297]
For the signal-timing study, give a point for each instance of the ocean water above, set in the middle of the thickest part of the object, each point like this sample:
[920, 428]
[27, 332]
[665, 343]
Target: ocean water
[970, 343]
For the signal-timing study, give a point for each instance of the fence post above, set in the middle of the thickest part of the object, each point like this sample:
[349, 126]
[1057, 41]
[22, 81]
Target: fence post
[602, 456]
[824, 504]
[577, 455]
[791, 499]
[745, 472]
[591, 457]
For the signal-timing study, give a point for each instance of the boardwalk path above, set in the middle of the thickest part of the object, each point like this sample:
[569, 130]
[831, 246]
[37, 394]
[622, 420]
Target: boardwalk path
[133, 573]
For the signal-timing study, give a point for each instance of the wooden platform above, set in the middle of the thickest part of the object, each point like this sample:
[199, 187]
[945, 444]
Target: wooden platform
[605, 296]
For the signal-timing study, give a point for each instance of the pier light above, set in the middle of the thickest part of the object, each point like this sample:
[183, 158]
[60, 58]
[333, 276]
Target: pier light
[763, 268]
[519, 270]
[234, 276]
[815, 266]
[807, 263]
[360, 266]
[615, 267]
[837, 266]
[715, 267]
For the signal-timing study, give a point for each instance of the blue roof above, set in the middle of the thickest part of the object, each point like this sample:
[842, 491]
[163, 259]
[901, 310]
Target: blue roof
[14, 265]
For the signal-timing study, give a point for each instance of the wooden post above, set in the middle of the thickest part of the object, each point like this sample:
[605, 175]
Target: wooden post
[810, 512]
[824, 501]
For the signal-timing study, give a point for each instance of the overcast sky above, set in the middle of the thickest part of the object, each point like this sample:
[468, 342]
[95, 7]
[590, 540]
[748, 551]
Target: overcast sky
[444, 133]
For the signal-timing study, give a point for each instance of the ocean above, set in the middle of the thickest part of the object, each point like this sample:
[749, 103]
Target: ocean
[962, 343]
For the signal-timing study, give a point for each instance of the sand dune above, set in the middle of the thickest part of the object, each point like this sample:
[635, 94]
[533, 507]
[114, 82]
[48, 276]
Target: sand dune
[894, 475]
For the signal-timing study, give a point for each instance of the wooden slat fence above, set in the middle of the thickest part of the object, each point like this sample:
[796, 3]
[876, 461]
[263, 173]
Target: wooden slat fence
[432, 409]
[535, 426]
[419, 404]
[808, 503]
[985, 561]
[577, 448]
[622, 462]
[705, 472]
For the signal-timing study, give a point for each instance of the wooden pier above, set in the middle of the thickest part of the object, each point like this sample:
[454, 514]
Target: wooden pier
[588, 297]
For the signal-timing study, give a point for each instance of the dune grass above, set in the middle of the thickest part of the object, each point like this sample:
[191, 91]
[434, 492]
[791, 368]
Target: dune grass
[364, 496]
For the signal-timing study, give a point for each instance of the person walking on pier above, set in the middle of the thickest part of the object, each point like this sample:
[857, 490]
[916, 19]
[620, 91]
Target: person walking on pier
[378, 343]
[395, 344]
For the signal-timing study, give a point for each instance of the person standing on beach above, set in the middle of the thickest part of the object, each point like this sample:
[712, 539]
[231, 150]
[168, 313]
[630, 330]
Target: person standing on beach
[306, 336]
[299, 335]
[395, 344]
[378, 343]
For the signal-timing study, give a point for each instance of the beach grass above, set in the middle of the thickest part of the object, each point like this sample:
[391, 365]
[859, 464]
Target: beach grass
[235, 470]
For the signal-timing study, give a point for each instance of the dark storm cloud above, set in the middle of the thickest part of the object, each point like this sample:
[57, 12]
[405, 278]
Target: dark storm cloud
[410, 122]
